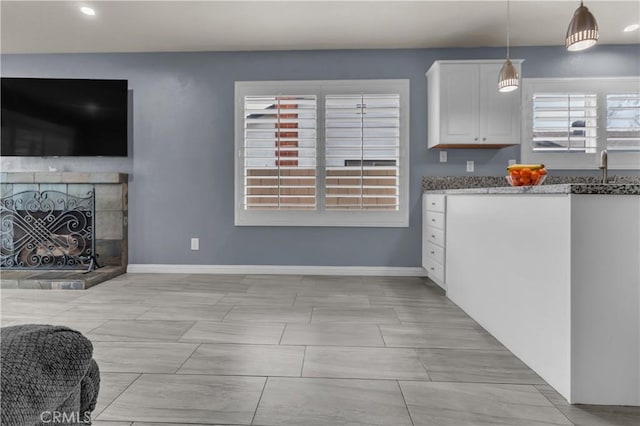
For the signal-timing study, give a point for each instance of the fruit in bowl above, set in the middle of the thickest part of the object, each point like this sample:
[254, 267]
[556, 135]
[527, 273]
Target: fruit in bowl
[526, 174]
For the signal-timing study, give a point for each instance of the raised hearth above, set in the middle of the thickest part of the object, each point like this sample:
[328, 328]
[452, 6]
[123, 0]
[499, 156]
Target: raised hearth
[58, 280]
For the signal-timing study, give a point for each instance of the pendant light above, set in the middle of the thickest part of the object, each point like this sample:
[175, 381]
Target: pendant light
[583, 30]
[508, 80]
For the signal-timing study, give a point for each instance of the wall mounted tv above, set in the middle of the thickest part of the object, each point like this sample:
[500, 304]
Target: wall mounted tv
[51, 117]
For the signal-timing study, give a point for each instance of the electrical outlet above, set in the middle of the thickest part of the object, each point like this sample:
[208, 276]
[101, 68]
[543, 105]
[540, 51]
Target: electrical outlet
[512, 162]
[443, 156]
[470, 166]
[195, 244]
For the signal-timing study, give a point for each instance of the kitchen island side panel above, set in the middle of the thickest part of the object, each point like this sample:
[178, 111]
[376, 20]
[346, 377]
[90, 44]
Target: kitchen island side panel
[605, 299]
[508, 267]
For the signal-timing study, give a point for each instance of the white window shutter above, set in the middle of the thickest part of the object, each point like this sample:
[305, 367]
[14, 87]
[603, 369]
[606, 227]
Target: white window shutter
[565, 122]
[362, 152]
[280, 134]
[623, 122]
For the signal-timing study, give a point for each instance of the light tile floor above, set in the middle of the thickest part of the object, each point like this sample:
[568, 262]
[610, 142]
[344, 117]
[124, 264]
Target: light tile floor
[181, 349]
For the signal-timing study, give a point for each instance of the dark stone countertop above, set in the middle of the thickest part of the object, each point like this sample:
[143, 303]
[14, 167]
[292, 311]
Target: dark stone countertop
[617, 185]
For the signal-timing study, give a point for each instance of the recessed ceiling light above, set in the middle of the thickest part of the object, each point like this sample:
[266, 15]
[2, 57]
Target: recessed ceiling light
[87, 11]
[631, 27]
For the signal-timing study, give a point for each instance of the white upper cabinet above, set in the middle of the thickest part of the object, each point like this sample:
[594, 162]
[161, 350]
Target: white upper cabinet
[465, 108]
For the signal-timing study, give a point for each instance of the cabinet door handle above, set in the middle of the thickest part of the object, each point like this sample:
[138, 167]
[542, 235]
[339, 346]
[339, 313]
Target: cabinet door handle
[475, 139]
[433, 220]
[484, 139]
[433, 236]
[432, 268]
[433, 204]
[433, 252]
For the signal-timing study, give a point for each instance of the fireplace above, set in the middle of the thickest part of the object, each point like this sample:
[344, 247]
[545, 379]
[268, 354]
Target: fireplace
[47, 230]
[55, 226]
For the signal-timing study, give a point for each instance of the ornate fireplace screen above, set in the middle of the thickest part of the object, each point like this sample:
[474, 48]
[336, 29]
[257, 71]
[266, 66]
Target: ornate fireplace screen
[47, 230]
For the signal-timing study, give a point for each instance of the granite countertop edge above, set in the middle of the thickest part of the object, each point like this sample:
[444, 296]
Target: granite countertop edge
[618, 185]
[586, 189]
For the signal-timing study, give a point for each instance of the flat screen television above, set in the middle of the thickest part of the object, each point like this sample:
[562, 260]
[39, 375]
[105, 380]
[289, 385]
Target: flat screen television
[52, 117]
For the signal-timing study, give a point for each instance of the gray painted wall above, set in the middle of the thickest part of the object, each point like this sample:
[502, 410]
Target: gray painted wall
[181, 164]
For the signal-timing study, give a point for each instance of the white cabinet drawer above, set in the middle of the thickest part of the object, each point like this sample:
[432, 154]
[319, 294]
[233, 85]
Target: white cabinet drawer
[435, 271]
[435, 220]
[436, 236]
[435, 252]
[435, 202]
[433, 237]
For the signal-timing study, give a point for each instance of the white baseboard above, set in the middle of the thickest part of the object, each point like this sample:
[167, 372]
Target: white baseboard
[278, 270]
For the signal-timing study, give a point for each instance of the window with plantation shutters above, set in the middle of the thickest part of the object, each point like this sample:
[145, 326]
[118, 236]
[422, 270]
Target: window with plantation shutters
[568, 122]
[322, 153]
[565, 122]
[280, 152]
[362, 151]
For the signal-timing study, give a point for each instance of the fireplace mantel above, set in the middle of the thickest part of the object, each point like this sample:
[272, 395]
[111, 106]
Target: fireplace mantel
[63, 177]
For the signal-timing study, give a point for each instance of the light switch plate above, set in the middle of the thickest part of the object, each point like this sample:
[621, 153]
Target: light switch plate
[470, 166]
[195, 244]
[443, 156]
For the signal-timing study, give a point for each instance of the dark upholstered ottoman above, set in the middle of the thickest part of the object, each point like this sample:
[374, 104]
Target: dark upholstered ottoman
[48, 376]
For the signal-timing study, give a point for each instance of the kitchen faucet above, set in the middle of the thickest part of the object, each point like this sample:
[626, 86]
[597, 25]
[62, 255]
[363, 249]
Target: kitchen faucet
[604, 164]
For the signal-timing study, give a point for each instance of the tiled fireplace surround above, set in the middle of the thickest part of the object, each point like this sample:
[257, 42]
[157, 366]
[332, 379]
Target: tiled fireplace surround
[111, 193]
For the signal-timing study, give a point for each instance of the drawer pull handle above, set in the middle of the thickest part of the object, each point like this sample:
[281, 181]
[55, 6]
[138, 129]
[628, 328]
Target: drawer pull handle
[433, 236]
[432, 268]
[433, 220]
[433, 204]
[433, 252]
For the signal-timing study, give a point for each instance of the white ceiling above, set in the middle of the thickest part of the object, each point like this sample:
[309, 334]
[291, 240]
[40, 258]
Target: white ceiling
[143, 26]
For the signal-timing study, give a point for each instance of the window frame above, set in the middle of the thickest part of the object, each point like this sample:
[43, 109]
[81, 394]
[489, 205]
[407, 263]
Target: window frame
[577, 161]
[321, 216]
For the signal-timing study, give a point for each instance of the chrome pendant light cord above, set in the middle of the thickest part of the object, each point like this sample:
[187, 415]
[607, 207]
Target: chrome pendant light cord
[508, 79]
[508, 26]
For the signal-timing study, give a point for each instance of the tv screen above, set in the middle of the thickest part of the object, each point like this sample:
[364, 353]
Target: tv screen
[53, 117]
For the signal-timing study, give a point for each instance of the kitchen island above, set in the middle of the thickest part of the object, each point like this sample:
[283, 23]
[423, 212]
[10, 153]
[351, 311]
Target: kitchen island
[553, 272]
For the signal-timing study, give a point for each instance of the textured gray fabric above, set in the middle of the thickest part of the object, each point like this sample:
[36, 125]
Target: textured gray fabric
[48, 376]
